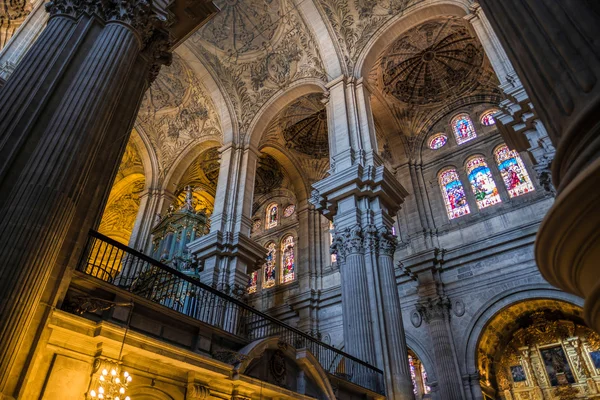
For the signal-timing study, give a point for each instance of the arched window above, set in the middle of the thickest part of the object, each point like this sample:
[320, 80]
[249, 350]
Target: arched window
[482, 182]
[513, 171]
[437, 141]
[288, 262]
[487, 118]
[269, 269]
[454, 194]
[272, 217]
[253, 282]
[463, 129]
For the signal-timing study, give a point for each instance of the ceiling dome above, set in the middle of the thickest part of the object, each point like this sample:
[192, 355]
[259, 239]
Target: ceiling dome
[431, 63]
[304, 126]
[269, 175]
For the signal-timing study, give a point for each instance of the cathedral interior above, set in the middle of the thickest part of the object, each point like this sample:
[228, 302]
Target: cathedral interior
[299, 199]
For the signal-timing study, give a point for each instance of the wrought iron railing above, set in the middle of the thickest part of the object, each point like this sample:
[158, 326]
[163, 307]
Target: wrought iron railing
[135, 272]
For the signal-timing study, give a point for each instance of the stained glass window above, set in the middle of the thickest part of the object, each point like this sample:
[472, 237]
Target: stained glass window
[253, 282]
[331, 231]
[513, 171]
[288, 263]
[289, 210]
[437, 141]
[482, 182]
[413, 376]
[269, 268]
[463, 128]
[454, 194]
[487, 118]
[272, 216]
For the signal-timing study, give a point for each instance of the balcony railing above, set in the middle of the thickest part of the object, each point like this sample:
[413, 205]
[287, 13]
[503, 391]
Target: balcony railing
[135, 272]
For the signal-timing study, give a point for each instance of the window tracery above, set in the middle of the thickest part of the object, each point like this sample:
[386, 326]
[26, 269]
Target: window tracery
[288, 263]
[482, 182]
[453, 193]
[272, 217]
[515, 176]
[463, 128]
[269, 267]
[437, 141]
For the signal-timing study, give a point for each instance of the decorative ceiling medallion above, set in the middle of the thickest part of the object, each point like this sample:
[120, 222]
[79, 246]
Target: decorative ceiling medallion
[269, 175]
[437, 141]
[431, 63]
[304, 126]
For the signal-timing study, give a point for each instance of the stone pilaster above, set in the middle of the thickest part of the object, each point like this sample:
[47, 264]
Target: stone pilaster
[65, 116]
[436, 313]
[227, 252]
[554, 49]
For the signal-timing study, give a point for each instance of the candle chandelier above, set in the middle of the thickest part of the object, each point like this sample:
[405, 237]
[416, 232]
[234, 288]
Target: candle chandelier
[112, 380]
[112, 385]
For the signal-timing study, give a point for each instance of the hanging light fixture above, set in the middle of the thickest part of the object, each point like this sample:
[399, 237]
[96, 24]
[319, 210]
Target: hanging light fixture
[112, 385]
[112, 381]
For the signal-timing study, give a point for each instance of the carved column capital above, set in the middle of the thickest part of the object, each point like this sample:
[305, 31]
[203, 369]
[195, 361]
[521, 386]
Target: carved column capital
[347, 242]
[136, 14]
[196, 391]
[434, 309]
[387, 242]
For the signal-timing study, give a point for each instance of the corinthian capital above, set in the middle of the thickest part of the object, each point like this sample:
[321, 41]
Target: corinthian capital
[387, 242]
[434, 309]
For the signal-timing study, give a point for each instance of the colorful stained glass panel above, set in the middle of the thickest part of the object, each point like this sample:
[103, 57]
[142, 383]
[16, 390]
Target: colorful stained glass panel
[454, 194]
[515, 176]
[288, 263]
[253, 282]
[482, 182]
[272, 216]
[437, 141]
[463, 128]
[269, 268]
[487, 119]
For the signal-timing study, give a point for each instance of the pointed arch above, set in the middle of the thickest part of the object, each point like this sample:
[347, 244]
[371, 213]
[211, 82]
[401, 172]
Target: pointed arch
[453, 192]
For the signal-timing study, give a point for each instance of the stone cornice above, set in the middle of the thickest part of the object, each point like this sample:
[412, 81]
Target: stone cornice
[360, 181]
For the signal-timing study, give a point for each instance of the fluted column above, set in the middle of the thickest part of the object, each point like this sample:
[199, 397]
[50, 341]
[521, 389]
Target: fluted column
[359, 339]
[65, 117]
[393, 328]
[554, 48]
[436, 313]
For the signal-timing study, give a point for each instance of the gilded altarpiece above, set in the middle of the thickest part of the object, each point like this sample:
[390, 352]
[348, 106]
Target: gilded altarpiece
[550, 360]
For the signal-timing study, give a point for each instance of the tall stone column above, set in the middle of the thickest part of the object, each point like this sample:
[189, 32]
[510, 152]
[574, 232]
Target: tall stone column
[65, 117]
[436, 313]
[227, 251]
[554, 48]
[361, 196]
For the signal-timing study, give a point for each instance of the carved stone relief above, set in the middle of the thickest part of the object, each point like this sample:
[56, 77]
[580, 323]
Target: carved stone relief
[256, 48]
[176, 113]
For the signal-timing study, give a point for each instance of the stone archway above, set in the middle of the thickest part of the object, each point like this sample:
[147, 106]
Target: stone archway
[538, 349]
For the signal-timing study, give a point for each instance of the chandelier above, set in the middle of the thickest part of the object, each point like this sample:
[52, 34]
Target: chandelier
[112, 385]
